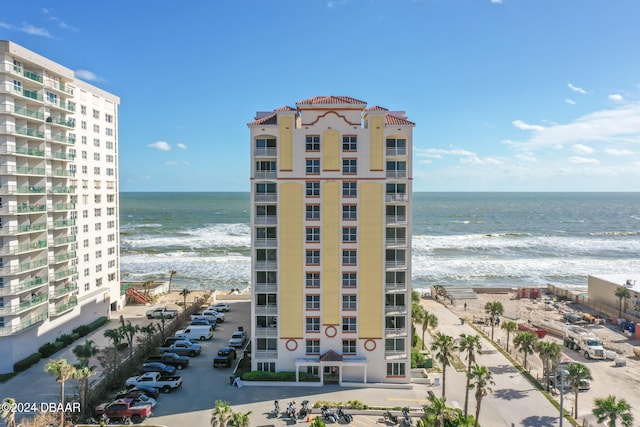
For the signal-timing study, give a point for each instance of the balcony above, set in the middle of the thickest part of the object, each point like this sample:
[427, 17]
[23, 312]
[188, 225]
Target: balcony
[266, 243]
[396, 242]
[27, 170]
[25, 324]
[64, 173]
[396, 152]
[63, 139]
[396, 197]
[61, 122]
[266, 287]
[26, 131]
[395, 309]
[65, 240]
[31, 94]
[266, 354]
[61, 207]
[26, 208]
[266, 310]
[396, 219]
[63, 274]
[266, 197]
[26, 112]
[61, 155]
[266, 332]
[63, 308]
[24, 286]
[20, 229]
[265, 175]
[60, 292]
[265, 152]
[62, 189]
[30, 74]
[26, 151]
[23, 248]
[394, 332]
[25, 305]
[395, 286]
[396, 264]
[64, 223]
[395, 354]
[266, 220]
[266, 265]
[60, 104]
[64, 257]
[61, 87]
[24, 189]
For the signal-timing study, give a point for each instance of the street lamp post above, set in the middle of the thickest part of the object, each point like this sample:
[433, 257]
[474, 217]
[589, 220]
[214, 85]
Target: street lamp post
[563, 373]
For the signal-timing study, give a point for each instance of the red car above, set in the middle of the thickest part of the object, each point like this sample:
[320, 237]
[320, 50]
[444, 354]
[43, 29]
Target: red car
[122, 408]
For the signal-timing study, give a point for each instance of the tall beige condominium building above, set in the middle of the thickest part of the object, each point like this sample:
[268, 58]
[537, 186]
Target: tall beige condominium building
[59, 242]
[331, 241]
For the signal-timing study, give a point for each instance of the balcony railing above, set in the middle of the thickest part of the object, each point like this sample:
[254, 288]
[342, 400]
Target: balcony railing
[61, 155]
[34, 114]
[266, 310]
[266, 333]
[60, 292]
[396, 242]
[32, 75]
[265, 152]
[395, 331]
[64, 257]
[266, 265]
[65, 273]
[59, 207]
[396, 152]
[64, 173]
[61, 189]
[266, 220]
[30, 94]
[27, 151]
[25, 305]
[265, 174]
[396, 264]
[266, 354]
[266, 243]
[61, 104]
[27, 170]
[59, 86]
[396, 174]
[266, 287]
[63, 223]
[10, 330]
[397, 197]
[63, 139]
[19, 229]
[61, 121]
[60, 241]
[26, 131]
[33, 208]
[400, 309]
[25, 286]
[62, 308]
[395, 286]
[396, 219]
[24, 247]
[266, 197]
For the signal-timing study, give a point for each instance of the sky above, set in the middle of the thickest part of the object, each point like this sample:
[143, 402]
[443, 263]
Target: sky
[507, 95]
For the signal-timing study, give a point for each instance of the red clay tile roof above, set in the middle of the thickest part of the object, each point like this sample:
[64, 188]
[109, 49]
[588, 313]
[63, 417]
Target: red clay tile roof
[268, 120]
[330, 100]
[285, 108]
[393, 120]
[331, 356]
[377, 108]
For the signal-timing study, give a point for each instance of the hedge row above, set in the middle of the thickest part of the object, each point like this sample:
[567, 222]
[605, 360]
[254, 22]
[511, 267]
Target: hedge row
[50, 348]
[278, 376]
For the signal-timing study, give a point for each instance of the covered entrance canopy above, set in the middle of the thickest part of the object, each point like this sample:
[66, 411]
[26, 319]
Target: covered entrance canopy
[333, 359]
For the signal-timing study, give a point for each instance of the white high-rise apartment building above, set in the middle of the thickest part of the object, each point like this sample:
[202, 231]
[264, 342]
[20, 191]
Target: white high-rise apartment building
[331, 241]
[59, 207]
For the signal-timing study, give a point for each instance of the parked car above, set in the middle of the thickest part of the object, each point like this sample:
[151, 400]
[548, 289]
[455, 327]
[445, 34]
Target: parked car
[224, 358]
[160, 312]
[238, 339]
[123, 408]
[158, 367]
[183, 348]
[220, 306]
[171, 359]
[134, 393]
[210, 315]
[196, 332]
[147, 389]
[143, 399]
[201, 321]
[154, 379]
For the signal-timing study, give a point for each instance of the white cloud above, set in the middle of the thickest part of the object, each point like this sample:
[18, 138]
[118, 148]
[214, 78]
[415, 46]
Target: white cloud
[437, 153]
[525, 126]
[570, 101]
[582, 149]
[496, 1]
[88, 76]
[618, 152]
[181, 145]
[527, 157]
[615, 97]
[577, 89]
[26, 28]
[170, 162]
[160, 145]
[583, 160]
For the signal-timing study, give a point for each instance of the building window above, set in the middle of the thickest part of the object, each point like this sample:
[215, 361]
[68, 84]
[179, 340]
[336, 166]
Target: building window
[395, 369]
[266, 366]
[313, 346]
[349, 212]
[349, 324]
[266, 255]
[108, 118]
[396, 147]
[396, 213]
[83, 110]
[395, 257]
[266, 300]
[313, 143]
[395, 279]
[313, 257]
[313, 189]
[349, 302]
[312, 302]
[96, 128]
[312, 212]
[313, 234]
[395, 345]
[349, 280]
[396, 236]
[313, 166]
[266, 278]
[87, 286]
[96, 114]
[265, 188]
[265, 166]
[394, 300]
[349, 143]
[349, 189]
[348, 346]
[396, 169]
[312, 324]
[349, 235]
[396, 188]
[349, 258]
[395, 322]
[266, 344]
[349, 166]
[312, 280]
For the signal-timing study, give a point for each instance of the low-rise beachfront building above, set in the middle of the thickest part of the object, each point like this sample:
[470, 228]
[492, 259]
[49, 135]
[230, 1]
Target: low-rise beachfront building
[331, 240]
[602, 290]
[59, 214]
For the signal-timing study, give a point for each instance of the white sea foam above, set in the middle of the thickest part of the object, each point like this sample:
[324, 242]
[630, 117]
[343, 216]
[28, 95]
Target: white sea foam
[212, 236]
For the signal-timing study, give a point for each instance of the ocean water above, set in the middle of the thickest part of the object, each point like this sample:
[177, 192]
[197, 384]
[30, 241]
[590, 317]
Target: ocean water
[475, 239]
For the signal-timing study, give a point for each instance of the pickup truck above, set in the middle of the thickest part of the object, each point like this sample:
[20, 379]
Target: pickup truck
[171, 359]
[238, 339]
[224, 358]
[183, 348]
[221, 306]
[210, 315]
[154, 379]
[158, 367]
[124, 408]
[160, 312]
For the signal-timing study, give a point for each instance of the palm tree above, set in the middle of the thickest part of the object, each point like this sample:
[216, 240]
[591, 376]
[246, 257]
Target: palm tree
[509, 326]
[171, 274]
[6, 413]
[549, 352]
[470, 344]
[146, 285]
[128, 332]
[493, 309]
[429, 321]
[578, 373]
[239, 419]
[63, 371]
[442, 346]
[613, 410]
[482, 380]
[82, 375]
[417, 315]
[115, 335]
[434, 412]
[525, 342]
[221, 414]
[184, 294]
[84, 353]
[622, 293]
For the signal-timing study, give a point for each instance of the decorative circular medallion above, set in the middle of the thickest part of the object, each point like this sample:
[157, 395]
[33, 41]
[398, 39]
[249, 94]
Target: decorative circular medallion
[292, 345]
[369, 345]
[330, 331]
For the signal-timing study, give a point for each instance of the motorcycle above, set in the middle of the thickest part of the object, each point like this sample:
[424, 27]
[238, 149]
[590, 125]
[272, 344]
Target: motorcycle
[304, 410]
[387, 415]
[347, 418]
[291, 411]
[328, 415]
[407, 419]
[276, 408]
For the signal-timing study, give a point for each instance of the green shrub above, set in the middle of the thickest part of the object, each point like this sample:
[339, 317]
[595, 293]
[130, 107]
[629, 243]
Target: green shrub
[98, 323]
[47, 349]
[277, 376]
[66, 339]
[417, 359]
[75, 336]
[59, 345]
[82, 330]
[27, 362]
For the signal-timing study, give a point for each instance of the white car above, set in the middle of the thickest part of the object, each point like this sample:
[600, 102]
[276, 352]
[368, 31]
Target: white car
[221, 306]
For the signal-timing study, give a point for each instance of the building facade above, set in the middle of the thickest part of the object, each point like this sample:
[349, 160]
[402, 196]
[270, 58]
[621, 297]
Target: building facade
[59, 212]
[331, 241]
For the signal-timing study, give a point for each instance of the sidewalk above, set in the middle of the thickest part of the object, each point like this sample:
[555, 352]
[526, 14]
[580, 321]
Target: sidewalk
[513, 402]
